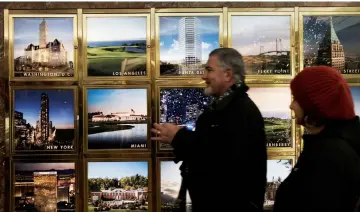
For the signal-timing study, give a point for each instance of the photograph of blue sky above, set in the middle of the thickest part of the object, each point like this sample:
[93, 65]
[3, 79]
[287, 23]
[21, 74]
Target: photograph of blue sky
[355, 91]
[117, 100]
[26, 32]
[116, 169]
[277, 169]
[116, 29]
[169, 37]
[272, 101]
[251, 32]
[61, 106]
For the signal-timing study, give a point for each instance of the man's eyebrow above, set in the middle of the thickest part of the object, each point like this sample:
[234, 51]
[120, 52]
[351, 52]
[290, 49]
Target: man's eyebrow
[208, 67]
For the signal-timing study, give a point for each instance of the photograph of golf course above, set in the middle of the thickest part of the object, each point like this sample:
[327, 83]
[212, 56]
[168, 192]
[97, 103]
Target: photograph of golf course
[116, 46]
[273, 103]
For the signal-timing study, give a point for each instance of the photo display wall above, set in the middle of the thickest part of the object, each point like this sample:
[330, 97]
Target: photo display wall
[85, 87]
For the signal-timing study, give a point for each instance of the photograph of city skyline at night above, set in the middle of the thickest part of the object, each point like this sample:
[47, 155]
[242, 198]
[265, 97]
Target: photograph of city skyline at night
[264, 42]
[278, 171]
[118, 186]
[170, 186]
[332, 41]
[273, 103]
[42, 48]
[111, 52]
[44, 187]
[117, 118]
[44, 119]
[185, 44]
[182, 106]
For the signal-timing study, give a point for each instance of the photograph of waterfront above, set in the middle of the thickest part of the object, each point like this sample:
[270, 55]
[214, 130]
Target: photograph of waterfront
[185, 44]
[44, 119]
[273, 103]
[116, 46]
[117, 118]
[43, 47]
[182, 106]
[264, 42]
[278, 171]
[170, 184]
[332, 41]
[43, 187]
[118, 186]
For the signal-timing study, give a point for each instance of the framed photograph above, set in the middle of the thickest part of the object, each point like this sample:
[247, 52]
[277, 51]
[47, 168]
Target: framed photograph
[278, 170]
[264, 40]
[116, 118]
[113, 53]
[40, 49]
[169, 186]
[40, 186]
[44, 120]
[118, 186]
[184, 42]
[273, 103]
[330, 39]
[181, 105]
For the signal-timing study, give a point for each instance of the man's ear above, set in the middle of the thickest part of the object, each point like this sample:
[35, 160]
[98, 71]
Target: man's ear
[228, 75]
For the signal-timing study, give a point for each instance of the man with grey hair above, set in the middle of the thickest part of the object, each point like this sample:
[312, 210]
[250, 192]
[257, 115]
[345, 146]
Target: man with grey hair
[224, 159]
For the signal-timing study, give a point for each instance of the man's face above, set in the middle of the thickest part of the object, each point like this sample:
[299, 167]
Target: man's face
[217, 80]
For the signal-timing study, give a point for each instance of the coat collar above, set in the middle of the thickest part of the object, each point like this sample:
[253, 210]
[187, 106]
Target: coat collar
[222, 101]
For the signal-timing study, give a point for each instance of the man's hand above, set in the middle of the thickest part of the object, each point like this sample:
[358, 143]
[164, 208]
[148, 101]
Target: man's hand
[165, 132]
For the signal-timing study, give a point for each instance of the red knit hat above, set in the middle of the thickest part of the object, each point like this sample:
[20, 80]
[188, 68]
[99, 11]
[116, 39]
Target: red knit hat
[322, 92]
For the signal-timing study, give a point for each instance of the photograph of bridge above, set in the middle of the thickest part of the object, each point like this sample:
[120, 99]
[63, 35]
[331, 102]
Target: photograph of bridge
[332, 41]
[264, 42]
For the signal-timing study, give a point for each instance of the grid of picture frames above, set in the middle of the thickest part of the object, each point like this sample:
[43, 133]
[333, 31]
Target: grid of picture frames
[86, 85]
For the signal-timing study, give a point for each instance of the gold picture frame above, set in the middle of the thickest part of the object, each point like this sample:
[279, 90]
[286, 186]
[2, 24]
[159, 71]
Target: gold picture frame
[338, 59]
[51, 149]
[61, 61]
[50, 171]
[120, 14]
[141, 148]
[119, 160]
[269, 76]
[178, 13]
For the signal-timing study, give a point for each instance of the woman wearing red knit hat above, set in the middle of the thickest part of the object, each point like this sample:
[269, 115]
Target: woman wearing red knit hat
[326, 177]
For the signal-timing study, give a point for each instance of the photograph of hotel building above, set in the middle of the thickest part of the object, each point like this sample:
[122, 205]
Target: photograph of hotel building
[44, 187]
[185, 43]
[43, 48]
[118, 186]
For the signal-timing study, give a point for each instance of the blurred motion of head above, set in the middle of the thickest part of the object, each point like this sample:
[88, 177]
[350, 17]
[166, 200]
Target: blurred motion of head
[224, 68]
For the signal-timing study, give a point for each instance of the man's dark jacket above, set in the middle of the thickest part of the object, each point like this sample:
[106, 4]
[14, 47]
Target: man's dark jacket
[326, 177]
[225, 156]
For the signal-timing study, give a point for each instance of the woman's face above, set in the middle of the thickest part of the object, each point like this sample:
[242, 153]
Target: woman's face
[299, 112]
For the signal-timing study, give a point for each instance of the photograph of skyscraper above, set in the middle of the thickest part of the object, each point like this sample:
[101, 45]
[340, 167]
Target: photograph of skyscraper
[182, 106]
[185, 44]
[278, 171]
[118, 186]
[44, 119]
[264, 43]
[117, 118]
[170, 184]
[44, 187]
[113, 52]
[332, 41]
[43, 47]
[273, 103]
